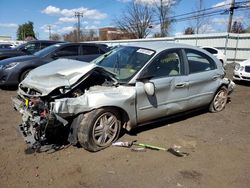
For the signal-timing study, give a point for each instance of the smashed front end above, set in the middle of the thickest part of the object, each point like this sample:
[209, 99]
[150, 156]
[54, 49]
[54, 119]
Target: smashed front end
[37, 119]
[38, 100]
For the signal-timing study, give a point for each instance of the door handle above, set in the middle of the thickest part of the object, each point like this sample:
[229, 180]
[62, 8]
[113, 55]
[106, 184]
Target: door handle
[181, 85]
[216, 77]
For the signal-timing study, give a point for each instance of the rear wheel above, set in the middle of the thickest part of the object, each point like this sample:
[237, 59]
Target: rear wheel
[99, 128]
[220, 100]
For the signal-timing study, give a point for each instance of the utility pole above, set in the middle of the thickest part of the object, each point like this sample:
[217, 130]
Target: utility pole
[78, 15]
[198, 21]
[49, 28]
[231, 13]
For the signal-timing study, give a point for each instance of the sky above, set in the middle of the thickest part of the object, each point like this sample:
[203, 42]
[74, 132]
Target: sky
[99, 13]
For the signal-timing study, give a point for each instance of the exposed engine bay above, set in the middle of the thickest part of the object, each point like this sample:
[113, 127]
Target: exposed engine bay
[40, 125]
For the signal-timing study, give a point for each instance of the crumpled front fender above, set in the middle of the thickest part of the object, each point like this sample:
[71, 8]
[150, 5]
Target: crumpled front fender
[122, 97]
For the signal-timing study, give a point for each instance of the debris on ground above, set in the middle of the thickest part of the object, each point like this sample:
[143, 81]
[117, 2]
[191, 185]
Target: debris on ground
[142, 147]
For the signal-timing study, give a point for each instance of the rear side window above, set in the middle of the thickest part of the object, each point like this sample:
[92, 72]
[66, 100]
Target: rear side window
[68, 51]
[89, 50]
[199, 62]
[45, 44]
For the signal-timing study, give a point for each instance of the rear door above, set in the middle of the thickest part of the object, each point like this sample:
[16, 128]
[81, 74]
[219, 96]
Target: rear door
[167, 74]
[203, 78]
[89, 52]
[71, 51]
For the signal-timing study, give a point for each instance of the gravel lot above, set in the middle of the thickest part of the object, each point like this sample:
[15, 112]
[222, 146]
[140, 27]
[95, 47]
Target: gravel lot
[219, 147]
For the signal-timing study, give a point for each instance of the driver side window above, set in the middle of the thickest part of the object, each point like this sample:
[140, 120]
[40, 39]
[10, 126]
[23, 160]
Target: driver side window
[165, 65]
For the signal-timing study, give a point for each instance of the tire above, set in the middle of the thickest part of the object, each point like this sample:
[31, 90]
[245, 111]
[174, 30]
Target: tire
[24, 75]
[99, 128]
[219, 101]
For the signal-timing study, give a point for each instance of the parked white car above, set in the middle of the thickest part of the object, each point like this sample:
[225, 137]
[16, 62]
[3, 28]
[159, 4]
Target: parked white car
[242, 70]
[217, 53]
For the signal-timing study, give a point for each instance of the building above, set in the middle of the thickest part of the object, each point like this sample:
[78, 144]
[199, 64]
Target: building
[112, 33]
[5, 38]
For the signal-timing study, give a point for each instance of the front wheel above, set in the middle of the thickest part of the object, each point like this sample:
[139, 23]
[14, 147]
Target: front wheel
[24, 75]
[99, 128]
[219, 101]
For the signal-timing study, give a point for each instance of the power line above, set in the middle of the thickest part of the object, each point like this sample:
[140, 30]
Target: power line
[208, 12]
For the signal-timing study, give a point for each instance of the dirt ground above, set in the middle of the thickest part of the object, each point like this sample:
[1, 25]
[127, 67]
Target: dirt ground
[218, 143]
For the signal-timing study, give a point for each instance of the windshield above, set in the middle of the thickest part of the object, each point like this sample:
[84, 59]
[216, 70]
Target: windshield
[46, 51]
[125, 61]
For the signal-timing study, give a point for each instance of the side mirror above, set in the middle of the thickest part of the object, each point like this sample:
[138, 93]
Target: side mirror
[149, 88]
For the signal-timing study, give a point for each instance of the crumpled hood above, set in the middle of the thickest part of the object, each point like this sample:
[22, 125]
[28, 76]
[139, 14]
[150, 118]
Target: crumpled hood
[58, 73]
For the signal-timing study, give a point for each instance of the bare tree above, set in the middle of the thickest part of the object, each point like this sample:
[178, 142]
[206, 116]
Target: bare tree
[136, 20]
[85, 35]
[55, 37]
[71, 36]
[200, 22]
[237, 27]
[162, 9]
[88, 35]
[189, 31]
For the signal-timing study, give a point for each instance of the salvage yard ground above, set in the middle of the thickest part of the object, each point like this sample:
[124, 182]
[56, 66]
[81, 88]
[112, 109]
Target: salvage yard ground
[219, 147]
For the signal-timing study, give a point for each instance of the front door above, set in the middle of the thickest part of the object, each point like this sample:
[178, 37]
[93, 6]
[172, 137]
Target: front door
[166, 72]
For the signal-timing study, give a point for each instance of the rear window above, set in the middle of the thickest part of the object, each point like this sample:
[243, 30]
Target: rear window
[89, 50]
[199, 62]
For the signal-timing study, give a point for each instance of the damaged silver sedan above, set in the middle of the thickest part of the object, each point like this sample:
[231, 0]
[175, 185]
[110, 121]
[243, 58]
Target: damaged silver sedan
[124, 88]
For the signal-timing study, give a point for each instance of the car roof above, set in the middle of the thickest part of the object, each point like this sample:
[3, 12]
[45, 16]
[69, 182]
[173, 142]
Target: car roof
[159, 46]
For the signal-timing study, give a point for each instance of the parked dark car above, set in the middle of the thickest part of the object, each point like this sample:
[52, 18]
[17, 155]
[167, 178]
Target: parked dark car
[14, 70]
[26, 48]
[5, 46]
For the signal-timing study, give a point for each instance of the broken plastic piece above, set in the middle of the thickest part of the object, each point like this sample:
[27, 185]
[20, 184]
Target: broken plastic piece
[123, 144]
[177, 152]
[138, 149]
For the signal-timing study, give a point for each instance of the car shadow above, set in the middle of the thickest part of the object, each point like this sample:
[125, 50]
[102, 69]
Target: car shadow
[9, 88]
[166, 121]
[242, 83]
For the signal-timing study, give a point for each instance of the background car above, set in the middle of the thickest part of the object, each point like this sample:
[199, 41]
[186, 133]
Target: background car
[26, 48]
[5, 46]
[242, 71]
[14, 70]
[217, 53]
[128, 86]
